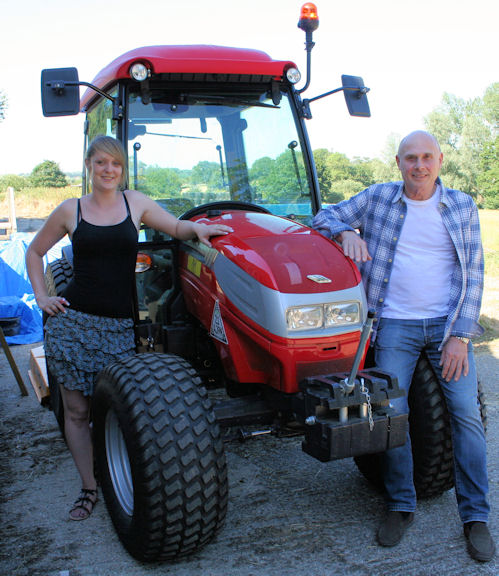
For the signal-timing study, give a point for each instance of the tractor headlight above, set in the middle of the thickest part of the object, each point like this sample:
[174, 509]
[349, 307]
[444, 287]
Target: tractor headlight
[322, 316]
[305, 317]
[139, 71]
[293, 75]
[341, 314]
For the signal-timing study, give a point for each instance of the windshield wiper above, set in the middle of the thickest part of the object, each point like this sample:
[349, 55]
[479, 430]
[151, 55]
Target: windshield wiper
[213, 100]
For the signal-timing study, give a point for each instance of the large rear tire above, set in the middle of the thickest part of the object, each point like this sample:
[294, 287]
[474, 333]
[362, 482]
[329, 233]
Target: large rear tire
[160, 456]
[57, 277]
[430, 436]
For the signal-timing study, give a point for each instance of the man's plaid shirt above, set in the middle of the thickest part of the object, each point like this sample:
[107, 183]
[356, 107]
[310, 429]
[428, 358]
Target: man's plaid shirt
[379, 213]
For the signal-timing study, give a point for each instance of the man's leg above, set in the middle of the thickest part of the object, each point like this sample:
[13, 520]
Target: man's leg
[468, 438]
[397, 349]
[470, 460]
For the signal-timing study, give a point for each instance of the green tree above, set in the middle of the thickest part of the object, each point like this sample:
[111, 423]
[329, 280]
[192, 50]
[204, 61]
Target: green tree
[341, 178]
[207, 174]
[387, 170]
[260, 175]
[17, 182]
[488, 179]
[491, 106]
[161, 182]
[333, 169]
[463, 128]
[277, 180]
[324, 176]
[281, 183]
[48, 174]
[3, 105]
[346, 189]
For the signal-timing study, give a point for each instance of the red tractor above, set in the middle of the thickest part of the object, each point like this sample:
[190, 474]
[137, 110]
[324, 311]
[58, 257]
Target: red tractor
[267, 331]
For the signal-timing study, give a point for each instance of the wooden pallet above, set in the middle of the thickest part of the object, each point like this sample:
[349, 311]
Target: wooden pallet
[38, 375]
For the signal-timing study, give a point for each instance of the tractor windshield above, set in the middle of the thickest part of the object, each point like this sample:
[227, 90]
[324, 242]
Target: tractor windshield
[190, 148]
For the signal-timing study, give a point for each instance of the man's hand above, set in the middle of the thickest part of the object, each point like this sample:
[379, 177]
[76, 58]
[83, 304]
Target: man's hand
[454, 359]
[353, 246]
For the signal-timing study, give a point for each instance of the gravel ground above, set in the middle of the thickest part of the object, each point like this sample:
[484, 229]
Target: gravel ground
[288, 514]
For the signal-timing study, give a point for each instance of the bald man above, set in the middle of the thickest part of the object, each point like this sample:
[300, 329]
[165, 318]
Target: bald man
[421, 259]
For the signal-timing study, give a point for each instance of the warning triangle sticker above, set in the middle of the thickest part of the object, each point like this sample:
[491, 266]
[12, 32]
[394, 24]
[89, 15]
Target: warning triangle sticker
[217, 329]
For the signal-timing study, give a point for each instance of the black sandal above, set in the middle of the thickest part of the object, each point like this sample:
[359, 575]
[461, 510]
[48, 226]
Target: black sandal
[84, 504]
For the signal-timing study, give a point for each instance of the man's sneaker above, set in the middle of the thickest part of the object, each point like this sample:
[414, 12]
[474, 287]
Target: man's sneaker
[481, 547]
[393, 527]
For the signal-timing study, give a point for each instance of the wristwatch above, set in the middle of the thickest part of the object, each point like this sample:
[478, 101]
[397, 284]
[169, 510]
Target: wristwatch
[463, 339]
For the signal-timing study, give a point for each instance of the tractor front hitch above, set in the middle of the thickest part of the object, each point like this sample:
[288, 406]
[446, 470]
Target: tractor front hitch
[349, 415]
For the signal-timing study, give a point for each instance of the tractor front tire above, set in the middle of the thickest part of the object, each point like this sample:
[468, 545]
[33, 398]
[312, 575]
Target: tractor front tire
[160, 456]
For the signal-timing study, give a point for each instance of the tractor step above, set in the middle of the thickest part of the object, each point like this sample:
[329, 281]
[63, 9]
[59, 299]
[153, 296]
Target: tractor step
[244, 410]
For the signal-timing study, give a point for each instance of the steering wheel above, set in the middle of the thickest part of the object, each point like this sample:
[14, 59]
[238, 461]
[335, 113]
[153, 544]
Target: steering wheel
[222, 205]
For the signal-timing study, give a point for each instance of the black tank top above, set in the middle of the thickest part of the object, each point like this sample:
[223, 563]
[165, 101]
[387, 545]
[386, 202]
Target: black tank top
[103, 267]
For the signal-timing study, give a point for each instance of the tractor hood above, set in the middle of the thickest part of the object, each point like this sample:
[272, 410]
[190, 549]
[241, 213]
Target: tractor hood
[284, 255]
[266, 267]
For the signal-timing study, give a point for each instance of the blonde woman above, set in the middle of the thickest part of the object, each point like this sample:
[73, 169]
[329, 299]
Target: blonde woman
[90, 325]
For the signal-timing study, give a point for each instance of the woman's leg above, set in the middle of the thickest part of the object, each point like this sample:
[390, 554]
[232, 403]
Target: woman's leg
[78, 435]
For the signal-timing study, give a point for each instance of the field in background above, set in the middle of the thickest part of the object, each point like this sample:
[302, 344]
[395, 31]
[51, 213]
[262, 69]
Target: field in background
[39, 202]
[489, 318]
[489, 222]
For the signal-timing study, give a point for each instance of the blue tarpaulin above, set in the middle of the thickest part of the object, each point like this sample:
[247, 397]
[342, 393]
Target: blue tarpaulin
[16, 294]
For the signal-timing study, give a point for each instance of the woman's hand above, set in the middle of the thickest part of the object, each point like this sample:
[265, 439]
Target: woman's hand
[205, 231]
[52, 305]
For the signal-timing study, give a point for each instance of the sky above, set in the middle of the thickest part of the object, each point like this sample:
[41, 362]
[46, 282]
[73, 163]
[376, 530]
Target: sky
[408, 53]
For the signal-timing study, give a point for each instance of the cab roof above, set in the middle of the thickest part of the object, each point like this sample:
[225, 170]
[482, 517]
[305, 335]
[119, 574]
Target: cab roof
[196, 59]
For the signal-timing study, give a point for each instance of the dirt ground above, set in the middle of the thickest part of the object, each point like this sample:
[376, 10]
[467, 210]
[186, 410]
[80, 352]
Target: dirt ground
[288, 513]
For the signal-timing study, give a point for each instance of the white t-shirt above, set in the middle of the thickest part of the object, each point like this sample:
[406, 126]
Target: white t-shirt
[420, 281]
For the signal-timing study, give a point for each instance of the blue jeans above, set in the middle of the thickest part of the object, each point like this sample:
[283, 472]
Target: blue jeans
[397, 348]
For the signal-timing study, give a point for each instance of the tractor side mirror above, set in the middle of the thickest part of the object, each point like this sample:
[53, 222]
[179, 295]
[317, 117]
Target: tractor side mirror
[60, 92]
[355, 96]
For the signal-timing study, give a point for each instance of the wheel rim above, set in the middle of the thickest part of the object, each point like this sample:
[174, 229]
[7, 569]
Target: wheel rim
[118, 463]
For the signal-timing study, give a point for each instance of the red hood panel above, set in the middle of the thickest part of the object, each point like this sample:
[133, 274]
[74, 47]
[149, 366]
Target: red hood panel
[280, 253]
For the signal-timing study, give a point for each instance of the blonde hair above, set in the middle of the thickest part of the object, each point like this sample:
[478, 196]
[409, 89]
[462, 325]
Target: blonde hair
[114, 148]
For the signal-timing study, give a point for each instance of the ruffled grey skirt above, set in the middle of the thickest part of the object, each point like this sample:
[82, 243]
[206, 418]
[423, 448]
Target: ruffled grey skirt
[79, 345]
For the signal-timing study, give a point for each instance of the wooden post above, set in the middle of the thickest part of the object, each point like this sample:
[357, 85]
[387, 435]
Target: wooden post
[12, 363]
[12, 210]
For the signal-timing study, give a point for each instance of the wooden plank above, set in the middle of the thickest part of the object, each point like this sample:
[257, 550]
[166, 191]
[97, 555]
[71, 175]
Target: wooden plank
[13, 365]
[39, 392]
[38, 374]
